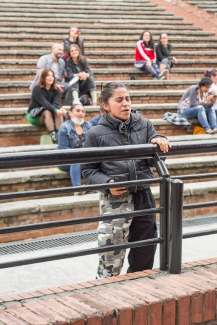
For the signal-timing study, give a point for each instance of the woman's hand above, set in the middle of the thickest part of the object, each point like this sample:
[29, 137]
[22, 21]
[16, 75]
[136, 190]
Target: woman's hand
[61, 112]
[208, 99]
[117, 191]
[83, 75]
[162, 143]
[148, 64]
[175, 60]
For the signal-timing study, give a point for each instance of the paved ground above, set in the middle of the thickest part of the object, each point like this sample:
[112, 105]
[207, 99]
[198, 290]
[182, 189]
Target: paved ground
[68, 271]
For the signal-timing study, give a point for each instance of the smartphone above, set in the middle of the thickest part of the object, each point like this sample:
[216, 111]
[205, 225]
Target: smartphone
[120, 178]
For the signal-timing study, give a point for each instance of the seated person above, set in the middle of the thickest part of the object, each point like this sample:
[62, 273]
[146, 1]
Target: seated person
[72, 135]
[45, 104]
[212, 74]
[57, 64]
[77, 69]
[145, 56]
[73, 38]
[163, 50]
[196, 104]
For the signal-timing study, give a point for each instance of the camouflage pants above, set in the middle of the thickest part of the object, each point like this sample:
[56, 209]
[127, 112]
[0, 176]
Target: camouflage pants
[113, 232]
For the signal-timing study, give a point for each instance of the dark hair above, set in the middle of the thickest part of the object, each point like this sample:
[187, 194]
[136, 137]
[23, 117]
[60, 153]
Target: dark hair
[161, 35]
[205, 82]
[107, 92]
[80, 56]
[41, 83]
[151, 42]
[77, 39]
[210, 72]
[71, 109]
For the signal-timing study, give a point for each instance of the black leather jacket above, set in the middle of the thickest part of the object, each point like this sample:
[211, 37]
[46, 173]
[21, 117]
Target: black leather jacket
[113, 132]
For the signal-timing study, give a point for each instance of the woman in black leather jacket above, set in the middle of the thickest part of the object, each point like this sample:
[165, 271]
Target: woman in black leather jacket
[119, 126]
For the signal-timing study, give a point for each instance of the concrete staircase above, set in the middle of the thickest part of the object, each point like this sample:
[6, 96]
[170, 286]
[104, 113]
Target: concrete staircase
[110, 30]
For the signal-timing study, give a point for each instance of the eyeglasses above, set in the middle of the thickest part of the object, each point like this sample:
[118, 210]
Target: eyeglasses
[80, 111]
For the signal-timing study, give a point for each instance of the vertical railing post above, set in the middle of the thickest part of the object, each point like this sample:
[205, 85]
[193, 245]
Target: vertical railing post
[164, 223]
[164, 216]
[175, 235]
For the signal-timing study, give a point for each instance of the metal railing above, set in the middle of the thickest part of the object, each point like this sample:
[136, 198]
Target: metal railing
[171, 196]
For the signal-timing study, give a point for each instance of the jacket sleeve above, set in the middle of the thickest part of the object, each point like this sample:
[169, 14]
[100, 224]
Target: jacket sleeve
[66, 44]
[86, 67]
[91, 172]
[160, 56]
[38, 96]
[63, 139]
[142, 53]
[69, 69]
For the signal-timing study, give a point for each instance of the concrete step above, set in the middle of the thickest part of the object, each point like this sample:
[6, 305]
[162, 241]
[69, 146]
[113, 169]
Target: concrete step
[8, 55]
[108, 74]
[82, 5]
[67, 207]
[106, 63]
[26, 134]
[32, 148]
[104, 31]
[110, 38]
[38, 179]
[18, 115]
[137, 97]
[44, 48]
[23, 86]
[116, 26]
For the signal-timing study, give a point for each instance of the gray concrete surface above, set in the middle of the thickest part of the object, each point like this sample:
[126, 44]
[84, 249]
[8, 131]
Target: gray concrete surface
[56, 273]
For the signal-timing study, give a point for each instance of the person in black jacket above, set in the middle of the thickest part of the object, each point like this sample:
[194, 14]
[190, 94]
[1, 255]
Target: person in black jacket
[45, 106]
[79, 75]
[74, 38]
[163, 50]
[119, 126]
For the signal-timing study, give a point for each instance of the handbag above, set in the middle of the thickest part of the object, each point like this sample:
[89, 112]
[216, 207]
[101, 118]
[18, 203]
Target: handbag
[36, 111]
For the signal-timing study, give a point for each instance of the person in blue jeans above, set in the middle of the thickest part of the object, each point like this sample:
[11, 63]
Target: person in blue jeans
[72, 134]
[196, 104]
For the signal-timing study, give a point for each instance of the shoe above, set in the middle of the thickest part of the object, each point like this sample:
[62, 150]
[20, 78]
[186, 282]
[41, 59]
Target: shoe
[209, 131]
[155, 78]
[54, 137]
[162, 75]
[76, 102]
[132, 78]
[214, 130]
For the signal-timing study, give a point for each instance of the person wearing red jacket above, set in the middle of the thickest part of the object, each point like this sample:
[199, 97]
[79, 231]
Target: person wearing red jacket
[145, 56]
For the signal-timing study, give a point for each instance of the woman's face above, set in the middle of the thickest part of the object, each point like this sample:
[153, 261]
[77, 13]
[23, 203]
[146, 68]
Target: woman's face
[74, 52]
[164, 39]
[77, 112]
[204, 89]
[146, 37]
[49, 79]
[119, 105]
[74, 32]
[214, 78]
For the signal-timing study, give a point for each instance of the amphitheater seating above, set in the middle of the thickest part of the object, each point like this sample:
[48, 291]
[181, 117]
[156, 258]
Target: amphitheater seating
[110, 33]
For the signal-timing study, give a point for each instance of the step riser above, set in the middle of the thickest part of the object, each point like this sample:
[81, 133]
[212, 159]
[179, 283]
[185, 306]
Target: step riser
[29, 38]
[152, 99]
[32, 137]
[92, 210]
[160, 86]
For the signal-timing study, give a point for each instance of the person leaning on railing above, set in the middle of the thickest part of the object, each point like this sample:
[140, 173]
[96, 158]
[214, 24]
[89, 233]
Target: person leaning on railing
[45, 106]
[196, 103]
[119, 126]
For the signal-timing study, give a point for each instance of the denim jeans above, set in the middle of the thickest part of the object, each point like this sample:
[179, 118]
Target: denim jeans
[200, 113]
[67, 92]
[153, 69]
[75, 173]
[83, 86]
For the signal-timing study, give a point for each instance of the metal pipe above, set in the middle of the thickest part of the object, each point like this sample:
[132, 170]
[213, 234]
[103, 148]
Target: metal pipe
[195, 176]
[200, 233]
[199, 205]
[85, 252]
[76, 221]
[175, 258]
[88, 155]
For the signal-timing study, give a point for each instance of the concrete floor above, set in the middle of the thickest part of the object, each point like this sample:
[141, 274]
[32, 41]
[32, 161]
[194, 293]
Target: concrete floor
[73, 270]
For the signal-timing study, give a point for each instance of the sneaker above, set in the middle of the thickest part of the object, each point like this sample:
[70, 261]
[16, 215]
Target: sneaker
[155, 78]
[76, 102]
[162, 75]
[214, 130]
[209, 131]
[54, 137]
